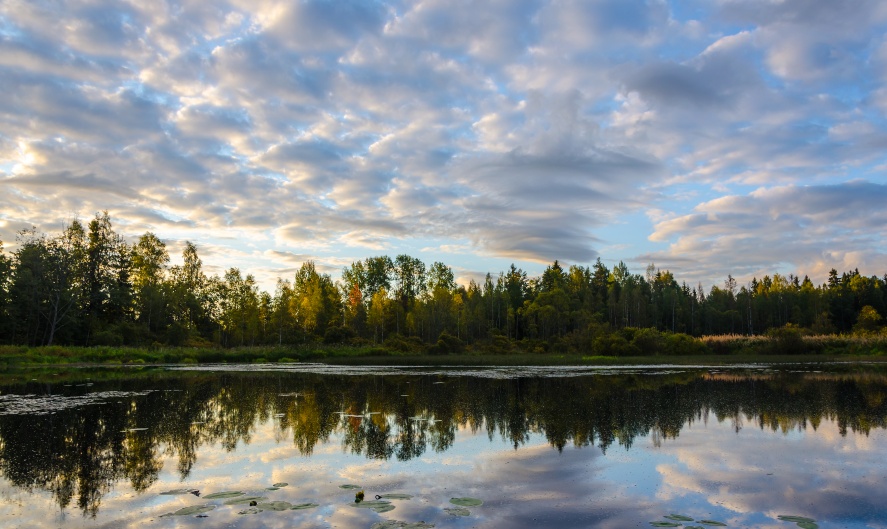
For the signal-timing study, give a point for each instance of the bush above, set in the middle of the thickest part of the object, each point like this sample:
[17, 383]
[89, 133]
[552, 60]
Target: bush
[339, 334]
[648, 341]
[614, 345]
[500, 345]
[447, 344]
[683, 344]
[404, 344]
[787, 340]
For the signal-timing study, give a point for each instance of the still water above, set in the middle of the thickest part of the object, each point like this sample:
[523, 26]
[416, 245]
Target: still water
[745, 446]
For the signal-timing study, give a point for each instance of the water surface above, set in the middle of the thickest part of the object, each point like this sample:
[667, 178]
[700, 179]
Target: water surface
[540, 447]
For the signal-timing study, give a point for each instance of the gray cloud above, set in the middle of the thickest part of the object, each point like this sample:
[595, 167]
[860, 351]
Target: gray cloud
[811, 228]
[528, 129]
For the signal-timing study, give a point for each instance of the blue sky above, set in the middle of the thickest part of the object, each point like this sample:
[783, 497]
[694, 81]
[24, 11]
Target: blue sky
[726, 136]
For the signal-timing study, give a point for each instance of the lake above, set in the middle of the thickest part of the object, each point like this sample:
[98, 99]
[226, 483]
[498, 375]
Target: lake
[747, 446]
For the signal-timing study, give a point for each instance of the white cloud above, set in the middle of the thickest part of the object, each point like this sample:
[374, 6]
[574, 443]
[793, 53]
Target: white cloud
[527, 129]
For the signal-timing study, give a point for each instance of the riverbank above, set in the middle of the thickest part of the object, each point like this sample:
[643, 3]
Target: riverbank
[712, 350]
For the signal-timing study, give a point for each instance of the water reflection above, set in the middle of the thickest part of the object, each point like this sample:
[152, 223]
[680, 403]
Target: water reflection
[120, 431]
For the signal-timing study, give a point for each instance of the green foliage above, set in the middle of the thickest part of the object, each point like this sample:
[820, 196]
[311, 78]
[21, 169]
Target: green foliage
[340, 334]
[787, 340]
[86, 286]
[447, 344]
[614, 345]
[868, 322]
[404, 344]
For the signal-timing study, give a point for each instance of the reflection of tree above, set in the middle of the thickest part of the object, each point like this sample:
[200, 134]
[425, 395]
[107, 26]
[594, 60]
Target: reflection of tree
[80, 453]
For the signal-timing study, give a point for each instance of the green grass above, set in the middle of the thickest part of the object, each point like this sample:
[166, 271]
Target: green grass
[719, 350]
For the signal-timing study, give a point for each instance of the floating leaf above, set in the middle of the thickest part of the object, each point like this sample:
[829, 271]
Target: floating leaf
[272, 488]
[712, 523]
[349, 487]
[224, 494]
[194, 509]
[245, 499]
[372, 503]
[466, 502]
[178, 491]
[665, 524]
[281, 484]
[678, 517]
[693, 527]
[275, 506]
[795, 519]
[301, 506]
[457, 511]
[393, 496]
[251, 510]
[808, 525]
[394, 524]
[375, 505]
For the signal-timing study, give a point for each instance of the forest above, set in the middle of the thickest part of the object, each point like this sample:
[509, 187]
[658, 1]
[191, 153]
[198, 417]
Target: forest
[87, 286]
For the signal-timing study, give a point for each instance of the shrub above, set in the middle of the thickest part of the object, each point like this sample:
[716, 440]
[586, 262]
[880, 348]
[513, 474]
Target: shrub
[648, 341]
[339, 334]
[787, 339]
[447, 344]
[614, 345]
[404, 344]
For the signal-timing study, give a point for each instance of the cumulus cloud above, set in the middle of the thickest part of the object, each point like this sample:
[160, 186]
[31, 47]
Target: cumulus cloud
[527, 130]
[810, 228]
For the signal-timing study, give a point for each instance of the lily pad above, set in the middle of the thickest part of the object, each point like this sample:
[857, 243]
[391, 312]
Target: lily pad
[693, 527]
[245, 499]
[395, 524]
[301, 506]
[251, 510]
[808, 525]
[194, 509]
[393, 496]
[665, 524]
[713, 523]
[375, 505]
[281, 484]
[349, 487]
[272, 488]
[466, 502]
[223, 494]
[457, 511]
[678, 517]
[795, 519]
[177, 491]
[275, 506]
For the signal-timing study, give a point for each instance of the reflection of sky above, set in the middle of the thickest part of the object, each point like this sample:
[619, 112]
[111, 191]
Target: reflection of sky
[709, 471]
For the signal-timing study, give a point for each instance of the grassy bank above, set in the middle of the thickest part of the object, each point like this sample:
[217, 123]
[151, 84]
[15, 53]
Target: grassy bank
[709, 350]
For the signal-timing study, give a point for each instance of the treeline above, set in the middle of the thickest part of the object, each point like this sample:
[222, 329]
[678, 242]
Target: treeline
[88, 286]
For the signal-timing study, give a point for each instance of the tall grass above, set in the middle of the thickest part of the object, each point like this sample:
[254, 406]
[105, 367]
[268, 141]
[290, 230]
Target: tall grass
[688, 350]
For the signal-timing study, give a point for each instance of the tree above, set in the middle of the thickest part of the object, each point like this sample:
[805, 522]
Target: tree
[149, 261]
[47, 283]
[869, 321]
[5, 280]
[108, 288]
[409, 274]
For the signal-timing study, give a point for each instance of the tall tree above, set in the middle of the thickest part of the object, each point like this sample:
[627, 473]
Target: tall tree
[149, 261]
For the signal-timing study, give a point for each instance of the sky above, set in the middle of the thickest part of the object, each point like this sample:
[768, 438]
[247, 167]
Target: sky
[742, 137]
